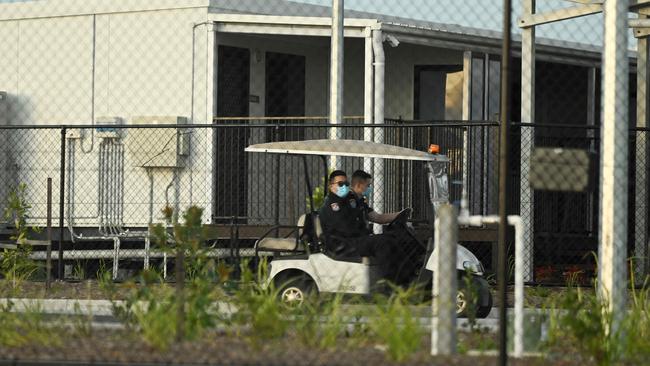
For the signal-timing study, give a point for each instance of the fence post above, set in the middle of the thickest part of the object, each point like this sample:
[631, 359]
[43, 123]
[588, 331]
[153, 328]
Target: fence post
[61, 203]
[503, 178]
[641, 175]
[612, 250]
[180, 292]
[443, 330]
[48, 263]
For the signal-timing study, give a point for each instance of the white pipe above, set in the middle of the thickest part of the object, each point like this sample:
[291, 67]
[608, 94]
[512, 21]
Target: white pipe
[467, 115]
[519, 285]
[520, 269]
[368, 95]
[116, 256]
[443, 334]
[614, 162]
[380, 68]
[526, 194]
[92, 92]
[336, 73]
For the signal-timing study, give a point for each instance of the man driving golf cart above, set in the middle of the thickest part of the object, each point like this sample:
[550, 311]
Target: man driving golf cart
[303, 261]
[345, 217]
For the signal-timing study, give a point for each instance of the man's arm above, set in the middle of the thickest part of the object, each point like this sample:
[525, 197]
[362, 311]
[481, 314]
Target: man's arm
[382, 219]
[385, 218]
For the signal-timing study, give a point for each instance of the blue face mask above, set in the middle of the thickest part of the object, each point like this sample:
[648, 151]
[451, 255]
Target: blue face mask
[343, 191]
[368, 191]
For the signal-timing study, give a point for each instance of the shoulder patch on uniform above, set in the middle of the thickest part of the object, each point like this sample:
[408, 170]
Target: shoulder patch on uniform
[353, 203]
[335, 206]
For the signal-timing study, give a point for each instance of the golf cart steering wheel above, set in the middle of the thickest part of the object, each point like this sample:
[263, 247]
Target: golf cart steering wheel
[402, 217]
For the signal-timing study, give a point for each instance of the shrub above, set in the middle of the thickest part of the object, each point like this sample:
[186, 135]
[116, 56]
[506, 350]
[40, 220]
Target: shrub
[396, 326]
[16, 265]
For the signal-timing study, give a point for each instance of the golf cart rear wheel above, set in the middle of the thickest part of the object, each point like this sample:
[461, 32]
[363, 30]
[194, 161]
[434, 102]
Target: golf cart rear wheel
[294, 291]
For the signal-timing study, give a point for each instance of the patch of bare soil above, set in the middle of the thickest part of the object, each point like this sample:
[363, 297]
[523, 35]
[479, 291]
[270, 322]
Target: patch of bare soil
[222, 349]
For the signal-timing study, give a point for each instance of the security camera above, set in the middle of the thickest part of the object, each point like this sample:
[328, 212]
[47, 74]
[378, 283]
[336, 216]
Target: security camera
[394, 42]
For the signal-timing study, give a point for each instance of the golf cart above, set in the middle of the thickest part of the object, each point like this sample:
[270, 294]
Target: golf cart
[302, 264]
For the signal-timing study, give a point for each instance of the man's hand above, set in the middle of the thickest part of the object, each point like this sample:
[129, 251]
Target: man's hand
[407, 211]
[389, 217]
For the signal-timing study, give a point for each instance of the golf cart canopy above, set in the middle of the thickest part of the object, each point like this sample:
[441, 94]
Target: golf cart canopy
[354, 148]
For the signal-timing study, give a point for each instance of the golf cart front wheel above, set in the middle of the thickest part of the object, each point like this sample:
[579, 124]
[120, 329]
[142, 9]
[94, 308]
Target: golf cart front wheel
[294, 291]
[477, 298]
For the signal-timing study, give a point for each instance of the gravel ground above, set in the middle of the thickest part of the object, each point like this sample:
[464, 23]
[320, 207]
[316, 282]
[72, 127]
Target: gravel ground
[120, 347]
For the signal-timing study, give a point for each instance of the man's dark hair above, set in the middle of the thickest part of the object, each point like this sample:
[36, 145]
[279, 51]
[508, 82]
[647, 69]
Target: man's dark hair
[336, 173]
[360, 175]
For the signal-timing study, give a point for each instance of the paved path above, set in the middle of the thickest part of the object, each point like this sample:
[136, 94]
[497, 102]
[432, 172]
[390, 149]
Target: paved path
[102, 311]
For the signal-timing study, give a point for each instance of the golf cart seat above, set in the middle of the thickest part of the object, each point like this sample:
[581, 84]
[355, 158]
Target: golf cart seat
[293, 243]
[280, 245]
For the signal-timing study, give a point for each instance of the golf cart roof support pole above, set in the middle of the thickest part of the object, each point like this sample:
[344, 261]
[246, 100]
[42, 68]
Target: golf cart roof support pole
[378, 172]
[527, 142]
[336, 74]
[325, 177]
[309, 190]
[503, 179]
[368, 75]
[641, 149]
[612, 250]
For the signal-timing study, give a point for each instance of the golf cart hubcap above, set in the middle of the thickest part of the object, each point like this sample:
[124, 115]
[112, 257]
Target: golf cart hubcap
[292, 295]
[461, 302]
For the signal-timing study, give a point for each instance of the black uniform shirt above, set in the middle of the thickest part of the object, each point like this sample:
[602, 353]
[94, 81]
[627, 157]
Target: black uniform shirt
[341, 219]
[360, 203]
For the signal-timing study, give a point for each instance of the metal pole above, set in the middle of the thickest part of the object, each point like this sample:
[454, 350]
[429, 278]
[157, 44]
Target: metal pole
[526, 203]
[641, 150]
[380, 66]
[48, 263]
[443, 334]
[503, 175]
[612, 282]
[368, 75]
[518, 336]
[61, 203]
[336, 73]
[180, 292]
[467, 115]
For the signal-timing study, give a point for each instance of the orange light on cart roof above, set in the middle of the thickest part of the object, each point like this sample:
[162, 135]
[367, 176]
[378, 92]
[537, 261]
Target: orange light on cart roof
[434, 149]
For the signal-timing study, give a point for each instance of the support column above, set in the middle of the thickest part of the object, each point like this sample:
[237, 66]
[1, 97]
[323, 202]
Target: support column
[368, 75]
[443, 326]
[641, 151]
[378, 173]
[612, 277]
[210, 114]
[467, 115]
[526, 208]
[336, 74]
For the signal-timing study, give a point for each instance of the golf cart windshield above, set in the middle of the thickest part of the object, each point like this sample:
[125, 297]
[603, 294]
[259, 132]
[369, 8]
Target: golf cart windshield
[438, 184]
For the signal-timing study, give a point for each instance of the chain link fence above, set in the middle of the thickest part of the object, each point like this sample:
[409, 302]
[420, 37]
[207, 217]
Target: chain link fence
[136, 107]
[121, 186]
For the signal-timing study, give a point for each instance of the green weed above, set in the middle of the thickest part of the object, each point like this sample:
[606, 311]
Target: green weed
[396, 327]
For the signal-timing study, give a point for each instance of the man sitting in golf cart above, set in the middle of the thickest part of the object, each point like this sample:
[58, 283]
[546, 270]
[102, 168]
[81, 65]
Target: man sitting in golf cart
[346, 230]
[361, 187]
